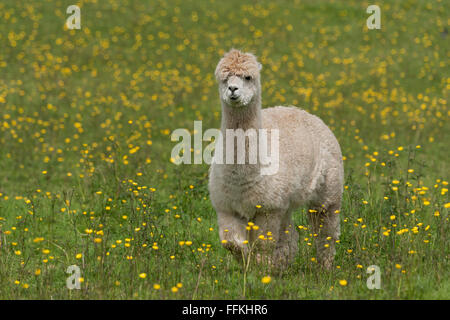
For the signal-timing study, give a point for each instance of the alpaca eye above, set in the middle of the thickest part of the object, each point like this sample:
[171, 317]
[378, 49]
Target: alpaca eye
[248, 78]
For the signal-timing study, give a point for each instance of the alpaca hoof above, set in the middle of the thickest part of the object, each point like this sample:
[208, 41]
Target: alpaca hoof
[263, 259]
[327, 263]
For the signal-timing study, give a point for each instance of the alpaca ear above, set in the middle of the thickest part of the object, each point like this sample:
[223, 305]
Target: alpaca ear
[259, 66]
[217, 71]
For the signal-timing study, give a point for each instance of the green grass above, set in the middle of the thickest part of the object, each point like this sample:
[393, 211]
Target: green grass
[75, 105]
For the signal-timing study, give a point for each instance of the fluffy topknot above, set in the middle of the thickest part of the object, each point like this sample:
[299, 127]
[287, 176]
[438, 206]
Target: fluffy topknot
[237, 63]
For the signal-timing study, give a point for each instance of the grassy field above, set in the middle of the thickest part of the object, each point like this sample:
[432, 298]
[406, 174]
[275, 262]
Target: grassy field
[85, 123]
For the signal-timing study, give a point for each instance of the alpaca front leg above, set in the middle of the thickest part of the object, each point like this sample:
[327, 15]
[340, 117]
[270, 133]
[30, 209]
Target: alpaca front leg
[287, 247]
[325, 225]
[233, 234]
[267, 236]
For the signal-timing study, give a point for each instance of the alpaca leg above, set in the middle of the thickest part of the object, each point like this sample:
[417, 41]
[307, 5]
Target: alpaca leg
[232, 233]
[325, 228]
[288, 244]
[267, 236]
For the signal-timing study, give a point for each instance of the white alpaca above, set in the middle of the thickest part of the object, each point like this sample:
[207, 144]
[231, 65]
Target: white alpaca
[310, 172]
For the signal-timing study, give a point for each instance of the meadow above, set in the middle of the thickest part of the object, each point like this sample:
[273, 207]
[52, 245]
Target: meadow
[86, 115]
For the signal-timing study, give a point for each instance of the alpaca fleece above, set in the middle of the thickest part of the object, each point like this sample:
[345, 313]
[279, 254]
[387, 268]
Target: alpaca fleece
[310, 173]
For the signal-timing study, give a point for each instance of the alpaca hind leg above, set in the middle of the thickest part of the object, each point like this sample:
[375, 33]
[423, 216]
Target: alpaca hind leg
[325, 225]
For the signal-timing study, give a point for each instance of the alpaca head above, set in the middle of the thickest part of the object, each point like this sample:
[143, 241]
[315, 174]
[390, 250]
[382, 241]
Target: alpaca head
[238, 77]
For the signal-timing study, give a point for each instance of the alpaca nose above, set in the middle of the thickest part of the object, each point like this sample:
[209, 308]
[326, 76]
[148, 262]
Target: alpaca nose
[232, 88]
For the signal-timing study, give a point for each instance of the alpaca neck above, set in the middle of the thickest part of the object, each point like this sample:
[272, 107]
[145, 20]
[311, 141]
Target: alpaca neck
[245, 118]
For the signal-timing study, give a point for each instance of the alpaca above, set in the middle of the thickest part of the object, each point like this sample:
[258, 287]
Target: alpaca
[310, 173]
